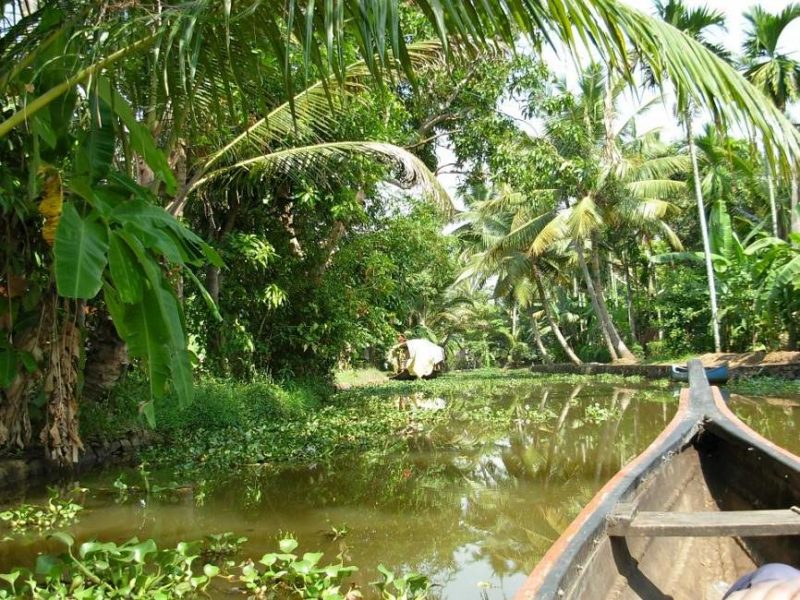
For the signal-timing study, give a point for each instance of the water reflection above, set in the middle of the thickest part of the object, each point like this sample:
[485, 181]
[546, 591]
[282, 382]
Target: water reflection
[777, 419]
[478, 498]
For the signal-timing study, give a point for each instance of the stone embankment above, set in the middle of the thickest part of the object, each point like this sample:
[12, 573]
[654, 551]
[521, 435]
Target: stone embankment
[34, 465]
[782, 371]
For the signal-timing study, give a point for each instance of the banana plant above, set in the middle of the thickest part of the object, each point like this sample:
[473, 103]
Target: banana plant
[755, 272]
[778, 269]
[114, 238]
[103, 238]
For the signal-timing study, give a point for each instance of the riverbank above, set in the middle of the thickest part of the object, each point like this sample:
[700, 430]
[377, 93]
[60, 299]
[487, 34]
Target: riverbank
[231, 423]
[736, 360]
[114, 430]
[777, 365]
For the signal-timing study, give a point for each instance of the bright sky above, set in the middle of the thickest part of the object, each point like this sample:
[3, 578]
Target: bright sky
[660, 116]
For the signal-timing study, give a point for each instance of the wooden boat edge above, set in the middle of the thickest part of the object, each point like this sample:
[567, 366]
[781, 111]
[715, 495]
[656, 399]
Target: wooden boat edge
[543, 582]
[701, 406]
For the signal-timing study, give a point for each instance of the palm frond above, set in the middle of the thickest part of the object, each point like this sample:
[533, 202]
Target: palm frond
[528, 234]
[656, 188]
[641, 211]
[765, 30]
[698, 74]
[672, 238]
[409, 169]
[315, 109]
[317, 31]
[583, 218]
[662, 167]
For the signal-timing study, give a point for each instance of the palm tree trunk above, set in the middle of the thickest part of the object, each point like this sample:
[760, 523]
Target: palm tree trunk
[548, 311]
[590, 290]
[514, 320]
[794, 200]
[652, 290]
[712, 288]
[620, 347]
[629, 299]
[613, 281]
[773, 207]
[616, 339]
[537, 336]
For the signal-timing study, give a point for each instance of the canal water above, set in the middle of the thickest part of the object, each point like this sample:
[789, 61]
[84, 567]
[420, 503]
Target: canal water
[474, 515]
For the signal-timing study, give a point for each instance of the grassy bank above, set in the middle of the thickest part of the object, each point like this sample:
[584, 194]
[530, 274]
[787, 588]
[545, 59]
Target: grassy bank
[766, 386]
[217, 403]
[296, 421]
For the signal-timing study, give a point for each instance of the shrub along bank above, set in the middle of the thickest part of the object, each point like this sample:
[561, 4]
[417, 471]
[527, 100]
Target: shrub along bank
[217, 403]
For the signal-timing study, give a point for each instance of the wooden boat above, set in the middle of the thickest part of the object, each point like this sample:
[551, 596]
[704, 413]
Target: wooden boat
[708, 501]
[718, 374]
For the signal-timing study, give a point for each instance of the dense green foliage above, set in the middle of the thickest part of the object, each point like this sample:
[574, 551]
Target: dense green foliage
[215, 403]
[249, 193]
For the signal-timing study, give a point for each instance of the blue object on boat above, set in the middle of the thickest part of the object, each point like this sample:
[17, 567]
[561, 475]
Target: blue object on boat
[719, 374]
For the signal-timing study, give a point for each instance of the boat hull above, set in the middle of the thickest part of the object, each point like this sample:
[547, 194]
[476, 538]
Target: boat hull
[719, 374]
[706, 460]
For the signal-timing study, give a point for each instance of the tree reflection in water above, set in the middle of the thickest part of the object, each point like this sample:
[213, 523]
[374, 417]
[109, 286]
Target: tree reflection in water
[776, 418]
[479, 496]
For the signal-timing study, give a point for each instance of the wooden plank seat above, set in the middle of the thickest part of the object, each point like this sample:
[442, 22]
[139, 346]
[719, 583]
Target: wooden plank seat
[626, 522]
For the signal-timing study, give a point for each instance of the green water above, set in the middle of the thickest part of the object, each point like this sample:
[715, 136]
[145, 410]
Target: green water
[777, 419]
[482, 508]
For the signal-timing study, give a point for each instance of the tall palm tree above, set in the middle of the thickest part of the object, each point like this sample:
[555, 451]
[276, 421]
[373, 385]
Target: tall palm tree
[486, 227]
[777, 75]
[696, 23]
[622, 180]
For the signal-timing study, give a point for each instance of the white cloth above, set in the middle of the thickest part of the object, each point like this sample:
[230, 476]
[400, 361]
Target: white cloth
[423, 356]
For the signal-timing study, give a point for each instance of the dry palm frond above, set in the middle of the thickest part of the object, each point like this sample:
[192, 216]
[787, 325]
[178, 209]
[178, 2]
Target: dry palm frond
[409, 169]
[51, 204]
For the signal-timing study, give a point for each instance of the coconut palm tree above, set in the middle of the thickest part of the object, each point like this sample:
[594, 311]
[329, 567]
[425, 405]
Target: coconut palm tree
[618, 180]
[486, 226]
[697, 22]
[777, 75]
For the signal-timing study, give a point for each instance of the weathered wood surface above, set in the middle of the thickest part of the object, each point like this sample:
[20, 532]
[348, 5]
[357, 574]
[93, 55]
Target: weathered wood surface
[741, 523]
[734, 472]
